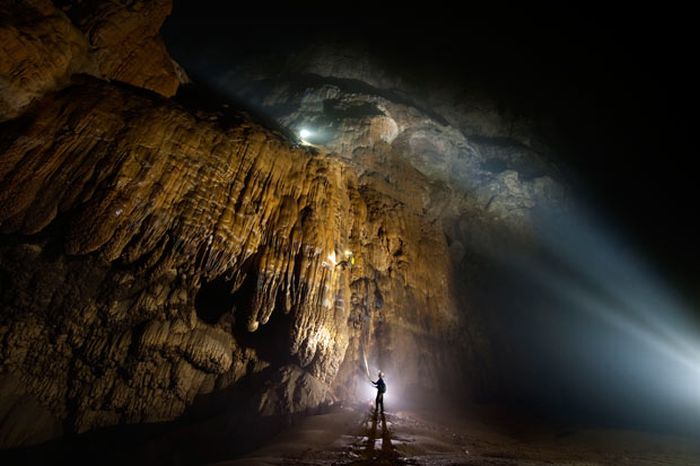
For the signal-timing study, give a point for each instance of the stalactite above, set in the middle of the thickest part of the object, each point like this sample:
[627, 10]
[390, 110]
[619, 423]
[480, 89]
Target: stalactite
[123, 205]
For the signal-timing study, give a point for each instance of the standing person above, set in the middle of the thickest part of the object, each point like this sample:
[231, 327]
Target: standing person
[381, 388]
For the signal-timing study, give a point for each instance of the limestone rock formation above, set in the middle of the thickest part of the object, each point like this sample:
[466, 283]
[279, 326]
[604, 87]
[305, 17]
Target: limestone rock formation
[490, 173]
[348, 101]
[39, 50]
[41, 47]
[152, 256]
[125, 43]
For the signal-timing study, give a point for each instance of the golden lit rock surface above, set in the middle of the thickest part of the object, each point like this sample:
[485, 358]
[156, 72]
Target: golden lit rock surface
[125, 44]
[39, 50]
[41, 47]
[152, 254]
[155, 254]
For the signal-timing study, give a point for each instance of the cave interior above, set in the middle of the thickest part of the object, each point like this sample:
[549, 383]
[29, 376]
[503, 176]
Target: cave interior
[221, 222]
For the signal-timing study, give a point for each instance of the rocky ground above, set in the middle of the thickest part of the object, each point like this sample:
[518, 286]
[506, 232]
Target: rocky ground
[356, 436]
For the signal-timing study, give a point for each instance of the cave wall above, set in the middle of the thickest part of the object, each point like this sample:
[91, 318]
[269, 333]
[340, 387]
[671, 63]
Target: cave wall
[489, 168]
[491, 173]
[153, 253]
[43, 43]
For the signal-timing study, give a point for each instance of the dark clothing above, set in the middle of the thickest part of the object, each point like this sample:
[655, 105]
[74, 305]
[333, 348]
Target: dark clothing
[379, 402]
[381, 389]
[381, 386]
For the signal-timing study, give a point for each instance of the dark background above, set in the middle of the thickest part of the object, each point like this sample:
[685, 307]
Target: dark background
[615, 88]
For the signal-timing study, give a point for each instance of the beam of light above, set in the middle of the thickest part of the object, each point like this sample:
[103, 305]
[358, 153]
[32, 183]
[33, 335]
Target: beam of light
[647, 326]
[366, 392]
[364, 357]
[641, 301]
[613, 315]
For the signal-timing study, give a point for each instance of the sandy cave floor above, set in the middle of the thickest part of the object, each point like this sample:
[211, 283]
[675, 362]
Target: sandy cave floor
[356, 436]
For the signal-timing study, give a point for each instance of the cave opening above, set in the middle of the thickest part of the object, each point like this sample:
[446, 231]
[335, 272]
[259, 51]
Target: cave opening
[271, 339]
[214, 299]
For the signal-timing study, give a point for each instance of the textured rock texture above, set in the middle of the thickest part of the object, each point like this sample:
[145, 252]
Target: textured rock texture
[154, 254]
[39, 50]
[41, 47]
[151, 255]
[124, 41]
[489, 172]
[490, 160]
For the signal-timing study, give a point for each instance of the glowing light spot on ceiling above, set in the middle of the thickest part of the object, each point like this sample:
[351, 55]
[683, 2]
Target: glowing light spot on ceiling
[304, 134]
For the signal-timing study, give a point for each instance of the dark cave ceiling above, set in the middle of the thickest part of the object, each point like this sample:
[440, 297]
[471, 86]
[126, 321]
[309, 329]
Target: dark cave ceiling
[614, 86]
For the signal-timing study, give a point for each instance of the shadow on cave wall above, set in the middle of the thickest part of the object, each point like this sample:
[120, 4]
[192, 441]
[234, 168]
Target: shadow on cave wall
[216, 304]
[214, 300]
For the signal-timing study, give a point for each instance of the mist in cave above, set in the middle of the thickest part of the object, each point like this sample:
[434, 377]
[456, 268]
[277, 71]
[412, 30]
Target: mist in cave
[220, 224]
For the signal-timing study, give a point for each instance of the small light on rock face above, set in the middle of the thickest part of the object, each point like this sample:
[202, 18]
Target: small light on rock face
[304, 134]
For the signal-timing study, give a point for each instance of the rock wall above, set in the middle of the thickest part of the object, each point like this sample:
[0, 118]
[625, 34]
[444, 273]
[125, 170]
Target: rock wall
[41, 47]
[490, 172]
[154, 254]
[492, 162]
[151, 256]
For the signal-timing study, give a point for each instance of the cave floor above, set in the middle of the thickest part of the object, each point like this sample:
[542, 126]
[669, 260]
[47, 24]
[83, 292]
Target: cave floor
[359, 436]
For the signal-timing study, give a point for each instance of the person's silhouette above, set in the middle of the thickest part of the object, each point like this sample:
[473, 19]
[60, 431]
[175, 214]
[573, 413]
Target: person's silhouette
[381, 388]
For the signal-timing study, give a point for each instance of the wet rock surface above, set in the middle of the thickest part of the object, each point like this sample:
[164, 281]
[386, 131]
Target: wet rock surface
[30, 66]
